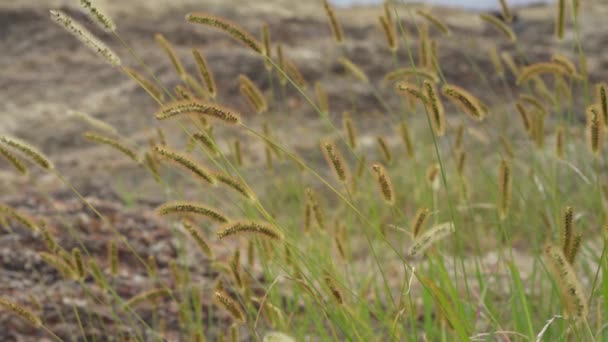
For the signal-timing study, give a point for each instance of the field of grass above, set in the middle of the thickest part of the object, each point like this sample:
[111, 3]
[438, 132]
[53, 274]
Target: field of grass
[458, 218]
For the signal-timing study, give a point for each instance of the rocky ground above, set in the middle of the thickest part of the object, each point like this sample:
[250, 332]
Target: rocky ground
[44, 72]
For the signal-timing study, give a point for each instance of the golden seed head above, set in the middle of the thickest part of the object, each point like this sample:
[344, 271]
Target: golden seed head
[334, 24]
[86, 37]
[186, 162]
[232, 29]
[191, 208]
[335, 160]
[253, 227]
[231, 305]
[98, 16]
[26, 149]
[384, 183]
[425, 240]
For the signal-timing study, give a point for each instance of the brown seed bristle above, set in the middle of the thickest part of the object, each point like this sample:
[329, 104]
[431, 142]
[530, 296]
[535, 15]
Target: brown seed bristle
[207, 141]
[145, 83]
[175, 108]
[185, 162]
[23, 219]
[567, 229]
[540, 68]
[59, 264]
[185, 208]
[254, 93]
[294, 74]
[231, 305]
[435, 21]
[98, 16]
[505, 179]
[334, 24]
[432, 176]
[334, 290]
[595, 127]
[465, 100]
[422, 214]
[147, 296]
[49, 240]
[234, 184]
[565, 63]
[77, 261]
[13, 160]
[575, 304]
[404, 88]
[384, 183]
[351, 131]
[168, 48]
[92, 121]
[117, 145]
[205, 73]
[435, 108]
[429, 237]
[500, 25]
[235, 268]
[335, 160]
[253, 227]
[202, 244]
[183, 93]
[533, 101]
[574, 248]
[389, 32]
[232, 29]
[384, 149]
[317, 209]
[407, 139]
[85, 37]
[400, 73]
[353, 69]
[26, 149]
[602, 98]
[21, 311]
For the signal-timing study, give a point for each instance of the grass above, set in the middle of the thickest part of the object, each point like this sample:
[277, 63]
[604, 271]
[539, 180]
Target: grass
[330, 247]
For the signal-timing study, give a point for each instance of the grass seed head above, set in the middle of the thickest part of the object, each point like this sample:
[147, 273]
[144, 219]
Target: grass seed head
[86, 37]
[26, 149]
[186, 208]
[231, 28]
[252, 227]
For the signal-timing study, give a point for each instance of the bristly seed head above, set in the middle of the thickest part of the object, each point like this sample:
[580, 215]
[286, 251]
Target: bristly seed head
[86, 37]
[240, 227]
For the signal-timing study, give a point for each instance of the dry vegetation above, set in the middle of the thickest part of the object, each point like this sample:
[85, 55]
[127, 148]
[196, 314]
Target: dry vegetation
[433, 204]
